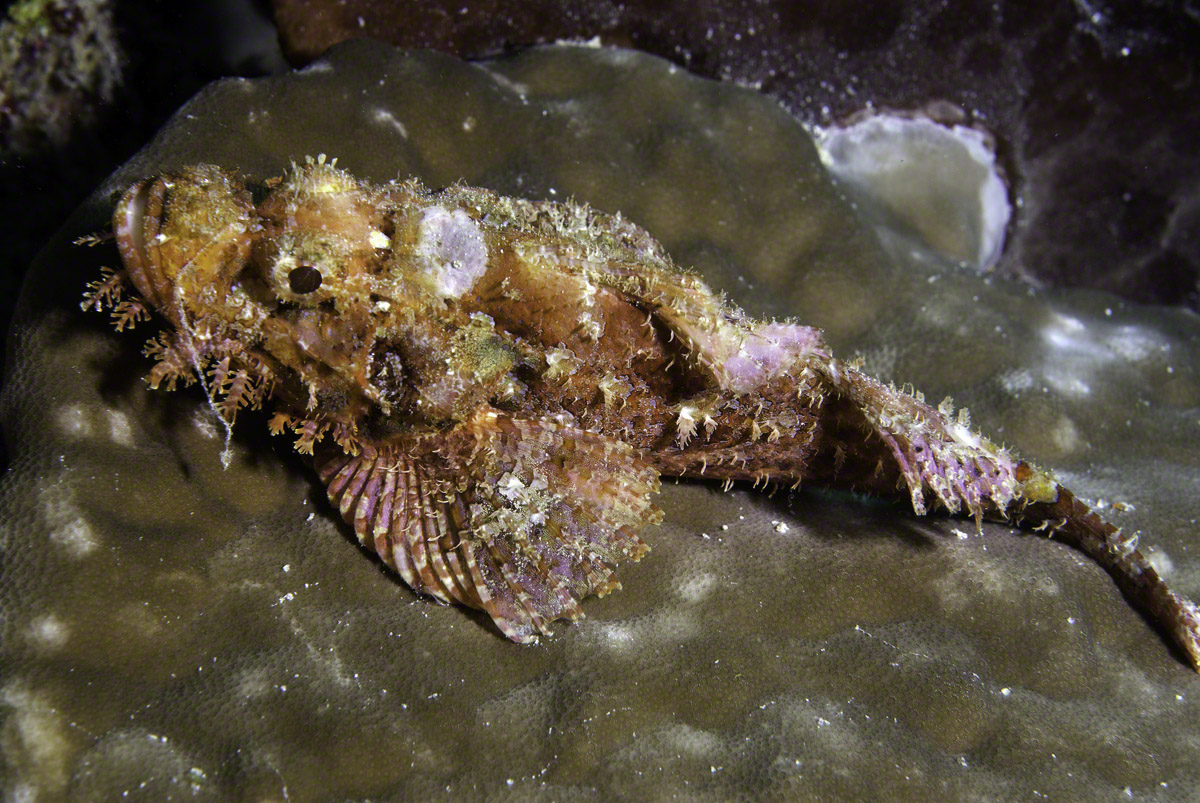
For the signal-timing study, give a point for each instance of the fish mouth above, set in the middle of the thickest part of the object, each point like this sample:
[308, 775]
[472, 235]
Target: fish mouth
[131, 224]
[193, 228]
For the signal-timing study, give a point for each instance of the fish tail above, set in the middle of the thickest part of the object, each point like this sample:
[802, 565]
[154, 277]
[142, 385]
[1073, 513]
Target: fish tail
[1048, 506]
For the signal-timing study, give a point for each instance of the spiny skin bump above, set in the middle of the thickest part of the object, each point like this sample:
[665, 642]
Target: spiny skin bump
[491, 387]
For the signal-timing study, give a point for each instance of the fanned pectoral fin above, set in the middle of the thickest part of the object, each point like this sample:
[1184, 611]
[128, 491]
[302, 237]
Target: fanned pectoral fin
[400, 513]
[533, 521]
[553, 510]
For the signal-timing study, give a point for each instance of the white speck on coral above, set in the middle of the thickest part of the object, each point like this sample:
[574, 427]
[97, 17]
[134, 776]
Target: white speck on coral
[205, 422]
[697, 588]
[385, 117]
[594, 43]
[516, 87]
[1016, 381]
[1135, 343]
[73, 421]
[1065, 434]
[119, 429]
[618, 635]
[49, 631]
[36, 731]
[68, 528]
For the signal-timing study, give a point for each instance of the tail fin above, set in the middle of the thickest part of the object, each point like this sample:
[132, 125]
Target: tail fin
[1072, 521]
[877, 437]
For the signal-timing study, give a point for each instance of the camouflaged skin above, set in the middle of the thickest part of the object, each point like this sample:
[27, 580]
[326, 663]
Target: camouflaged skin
[501, 381]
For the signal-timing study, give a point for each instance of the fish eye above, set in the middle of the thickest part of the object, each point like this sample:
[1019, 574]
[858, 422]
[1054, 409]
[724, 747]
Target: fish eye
[304, 279]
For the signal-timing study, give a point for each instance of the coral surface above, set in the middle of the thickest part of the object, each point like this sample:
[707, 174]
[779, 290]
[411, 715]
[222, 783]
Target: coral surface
[173, 626]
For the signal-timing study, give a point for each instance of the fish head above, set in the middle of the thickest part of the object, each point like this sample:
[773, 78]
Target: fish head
[184, 237]
[319, 268]
[322, 241]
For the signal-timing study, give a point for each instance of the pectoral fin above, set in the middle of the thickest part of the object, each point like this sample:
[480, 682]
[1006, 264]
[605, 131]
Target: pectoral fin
[527, 520]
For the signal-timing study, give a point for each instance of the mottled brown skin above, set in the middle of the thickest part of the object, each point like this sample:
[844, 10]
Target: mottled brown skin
[491, 387]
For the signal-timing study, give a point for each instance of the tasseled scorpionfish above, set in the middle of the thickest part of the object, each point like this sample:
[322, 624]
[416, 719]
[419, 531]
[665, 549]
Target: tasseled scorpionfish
[491, 387]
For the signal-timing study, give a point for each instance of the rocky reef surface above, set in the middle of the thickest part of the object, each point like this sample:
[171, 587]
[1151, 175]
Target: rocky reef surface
[173, 628]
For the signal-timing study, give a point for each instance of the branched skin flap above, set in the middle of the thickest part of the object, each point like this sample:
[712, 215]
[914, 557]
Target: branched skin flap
[491, 387]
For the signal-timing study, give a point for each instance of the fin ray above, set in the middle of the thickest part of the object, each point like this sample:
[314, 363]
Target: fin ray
[528, 519]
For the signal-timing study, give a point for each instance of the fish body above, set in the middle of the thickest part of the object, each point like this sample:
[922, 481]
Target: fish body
[491, 387]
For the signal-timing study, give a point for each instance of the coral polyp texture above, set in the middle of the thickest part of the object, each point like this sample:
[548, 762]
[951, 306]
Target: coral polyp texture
[490, 387]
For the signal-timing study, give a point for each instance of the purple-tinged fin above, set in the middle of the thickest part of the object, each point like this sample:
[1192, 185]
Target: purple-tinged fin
[890, 437]
[940, 460]
[524, 520]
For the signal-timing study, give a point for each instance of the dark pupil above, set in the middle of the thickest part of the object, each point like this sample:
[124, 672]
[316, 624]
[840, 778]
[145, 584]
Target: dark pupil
[304, 279]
